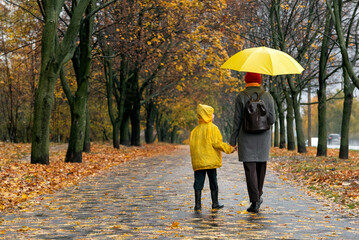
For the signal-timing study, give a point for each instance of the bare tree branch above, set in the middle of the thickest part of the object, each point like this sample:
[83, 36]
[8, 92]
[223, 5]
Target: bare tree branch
[15, 49]
[26, 10]
[99, 8]
[41, 6]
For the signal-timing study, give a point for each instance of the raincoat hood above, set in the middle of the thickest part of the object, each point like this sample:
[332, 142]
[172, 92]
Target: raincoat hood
[204, 113]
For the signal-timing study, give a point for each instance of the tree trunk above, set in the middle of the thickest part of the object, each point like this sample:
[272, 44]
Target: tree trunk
[165, 133]
[174, 135]
[33, 90]
[348, 69]
[347, 110]
[282, 127]
[322, 91]
[322, 120]
[276, 131]
[42, 113]
[78, 127]
[162, 127]
[115, 89]
[82, 64]
[87, 141]
[44, 93]
[53, 56]
[115, 134]
[337, 18]
[277, 37]
[12, 110]
[78, 122]
[281, 120]
[299, 125]
[150, 122]
[135, 123]
[107, 65]
[135, 98]
[158, 126]
[125, 130]
[290, 125]
[309, 132]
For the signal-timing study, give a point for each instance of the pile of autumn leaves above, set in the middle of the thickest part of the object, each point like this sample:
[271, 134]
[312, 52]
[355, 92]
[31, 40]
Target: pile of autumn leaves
[23, 184]
[334, 180]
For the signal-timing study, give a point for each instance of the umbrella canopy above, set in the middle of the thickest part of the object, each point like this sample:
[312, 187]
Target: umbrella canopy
[263, 60]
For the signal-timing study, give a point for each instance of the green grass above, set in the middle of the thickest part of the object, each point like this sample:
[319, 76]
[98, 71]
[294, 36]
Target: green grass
[352, 205]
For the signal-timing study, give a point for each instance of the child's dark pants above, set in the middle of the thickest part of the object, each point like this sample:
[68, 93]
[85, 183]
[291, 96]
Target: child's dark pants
[199, 177]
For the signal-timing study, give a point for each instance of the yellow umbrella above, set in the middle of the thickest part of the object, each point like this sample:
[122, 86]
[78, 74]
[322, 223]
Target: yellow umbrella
[263, 60]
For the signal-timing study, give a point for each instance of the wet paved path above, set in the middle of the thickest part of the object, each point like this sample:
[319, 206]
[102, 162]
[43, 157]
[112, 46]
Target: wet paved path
[153, 198]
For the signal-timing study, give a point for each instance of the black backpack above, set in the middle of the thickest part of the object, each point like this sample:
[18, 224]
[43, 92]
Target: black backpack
[255, 114]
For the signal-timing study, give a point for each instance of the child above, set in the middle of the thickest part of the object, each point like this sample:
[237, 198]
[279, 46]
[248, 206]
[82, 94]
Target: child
[206, 145]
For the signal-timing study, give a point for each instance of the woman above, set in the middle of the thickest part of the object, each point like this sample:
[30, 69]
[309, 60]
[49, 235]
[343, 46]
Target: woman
[253, 148]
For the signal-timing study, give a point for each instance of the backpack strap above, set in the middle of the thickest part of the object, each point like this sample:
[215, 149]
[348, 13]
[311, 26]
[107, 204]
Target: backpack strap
[258, 95]
[247, 94]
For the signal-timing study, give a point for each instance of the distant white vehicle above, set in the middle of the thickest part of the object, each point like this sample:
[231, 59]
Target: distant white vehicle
[334, 139]
[314, 142]
[334, 144]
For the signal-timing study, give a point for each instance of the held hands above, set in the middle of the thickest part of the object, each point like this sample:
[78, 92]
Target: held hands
[235, 148]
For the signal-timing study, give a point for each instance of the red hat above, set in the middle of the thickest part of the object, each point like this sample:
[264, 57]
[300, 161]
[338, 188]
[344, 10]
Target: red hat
[253, 78]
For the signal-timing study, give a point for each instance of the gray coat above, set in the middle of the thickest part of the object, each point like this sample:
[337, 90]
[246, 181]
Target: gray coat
[252, 147]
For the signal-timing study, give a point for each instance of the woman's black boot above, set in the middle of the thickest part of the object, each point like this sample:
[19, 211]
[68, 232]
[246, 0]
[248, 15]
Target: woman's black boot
[254, 207]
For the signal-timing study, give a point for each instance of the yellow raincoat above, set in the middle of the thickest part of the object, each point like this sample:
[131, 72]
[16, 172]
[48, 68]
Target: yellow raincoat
[206, 141]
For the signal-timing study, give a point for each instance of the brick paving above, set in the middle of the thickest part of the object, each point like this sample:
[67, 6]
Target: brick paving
[153, 199]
